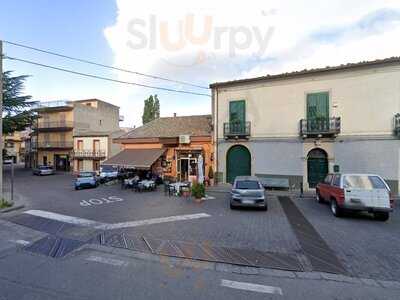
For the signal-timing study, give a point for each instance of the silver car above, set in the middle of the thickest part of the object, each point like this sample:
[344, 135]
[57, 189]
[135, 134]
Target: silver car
[247, 191]
[43, 170]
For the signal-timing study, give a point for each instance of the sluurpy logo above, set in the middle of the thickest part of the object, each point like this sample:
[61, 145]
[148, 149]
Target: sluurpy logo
[196, 45]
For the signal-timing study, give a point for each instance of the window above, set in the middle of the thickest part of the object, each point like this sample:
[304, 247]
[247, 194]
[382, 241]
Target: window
[318, 105]
[247, 185]
[100, 122]
[336, 180]
[80, 144]
[363, 182]
[80, 164]
[328, 179]
[96, 145]
[237, 111]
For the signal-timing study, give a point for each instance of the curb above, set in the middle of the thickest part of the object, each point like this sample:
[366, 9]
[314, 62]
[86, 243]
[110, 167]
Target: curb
[229, 268]
[12, 208]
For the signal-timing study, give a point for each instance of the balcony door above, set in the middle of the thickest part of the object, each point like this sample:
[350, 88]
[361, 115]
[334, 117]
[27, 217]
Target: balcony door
[318, 111]
[237, 116]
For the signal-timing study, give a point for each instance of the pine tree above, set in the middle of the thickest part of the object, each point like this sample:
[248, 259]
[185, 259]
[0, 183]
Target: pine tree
[16, 107]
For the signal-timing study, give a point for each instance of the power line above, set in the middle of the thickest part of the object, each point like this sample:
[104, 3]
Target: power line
[103, 78]
[103, 65]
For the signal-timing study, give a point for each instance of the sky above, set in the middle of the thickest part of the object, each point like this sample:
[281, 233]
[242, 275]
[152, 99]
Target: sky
[195, 42]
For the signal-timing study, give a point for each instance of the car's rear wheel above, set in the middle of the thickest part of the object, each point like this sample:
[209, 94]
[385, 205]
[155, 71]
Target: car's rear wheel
[381, 216]
[265, 208]
[336, 210]
[232, 206]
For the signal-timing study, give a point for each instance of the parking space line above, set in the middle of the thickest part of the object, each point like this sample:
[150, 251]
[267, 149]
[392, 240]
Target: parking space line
[155, 221]
[63, 218]
[108, 261]
[20, 242]
[106, 226]
[266, 289]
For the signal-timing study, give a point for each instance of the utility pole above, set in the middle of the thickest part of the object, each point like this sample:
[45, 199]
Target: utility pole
[1, 120]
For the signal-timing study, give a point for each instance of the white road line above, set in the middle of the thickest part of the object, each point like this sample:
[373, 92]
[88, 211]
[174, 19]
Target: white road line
[63, 218]
[20, 242]
[106, 226]
[108, 261]
[251, 287]
[153, 221]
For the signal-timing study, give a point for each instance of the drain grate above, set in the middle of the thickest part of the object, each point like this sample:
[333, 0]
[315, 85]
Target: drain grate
[54, 246]
[320, 255]
[206, 252]
[121, 240]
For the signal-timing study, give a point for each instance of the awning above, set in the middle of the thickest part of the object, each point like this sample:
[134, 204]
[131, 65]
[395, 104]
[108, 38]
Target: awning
[135, 158]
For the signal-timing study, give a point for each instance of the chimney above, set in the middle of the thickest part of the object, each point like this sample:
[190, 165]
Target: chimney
[174, 115]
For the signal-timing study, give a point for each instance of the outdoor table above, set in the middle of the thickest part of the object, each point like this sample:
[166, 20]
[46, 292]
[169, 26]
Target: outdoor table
[148, 184]
[179, 185]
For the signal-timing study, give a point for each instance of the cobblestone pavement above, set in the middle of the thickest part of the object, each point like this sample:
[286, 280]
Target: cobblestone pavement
[366, 247]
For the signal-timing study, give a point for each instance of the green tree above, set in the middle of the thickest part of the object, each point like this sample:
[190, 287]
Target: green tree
[151, 109]
[16, 114]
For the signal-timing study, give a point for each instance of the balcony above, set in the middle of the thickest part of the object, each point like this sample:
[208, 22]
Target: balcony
[89, 154]
[54, 126]
[52, 145]
[326, 127]
[236, 130]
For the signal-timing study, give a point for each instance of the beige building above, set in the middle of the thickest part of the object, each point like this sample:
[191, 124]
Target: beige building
[92, 148]
[296, 127]
[59, 121]
[14, 145]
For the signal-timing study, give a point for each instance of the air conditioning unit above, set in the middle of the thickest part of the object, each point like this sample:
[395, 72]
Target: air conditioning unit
[184, 139]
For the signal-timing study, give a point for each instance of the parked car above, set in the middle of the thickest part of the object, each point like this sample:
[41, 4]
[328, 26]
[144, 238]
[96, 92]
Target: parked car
[86, 180]
[43, 170]
[247, 191]
[108, 172]
[356, 192]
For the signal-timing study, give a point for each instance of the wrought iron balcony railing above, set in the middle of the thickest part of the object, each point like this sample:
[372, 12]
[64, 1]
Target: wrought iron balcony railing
[54, 124]
[53, 145]
[237, 129]
[89, 153]
[320, 127]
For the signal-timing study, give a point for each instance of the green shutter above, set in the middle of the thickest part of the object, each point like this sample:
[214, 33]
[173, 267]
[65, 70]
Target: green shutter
[318, 106]
[237, 111]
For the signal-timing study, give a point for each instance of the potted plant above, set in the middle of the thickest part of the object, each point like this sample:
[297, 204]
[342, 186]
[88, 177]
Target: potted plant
[198, 191]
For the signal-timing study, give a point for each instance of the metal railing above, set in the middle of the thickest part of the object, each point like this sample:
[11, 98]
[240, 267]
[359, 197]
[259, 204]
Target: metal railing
[52, 144]
[54, 124]
[321, 126]
[50, 104]
[237, 129]
[89, 153]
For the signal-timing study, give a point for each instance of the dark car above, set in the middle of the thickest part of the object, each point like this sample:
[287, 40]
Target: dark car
[86, 180]
[247, 191]
[43, 170]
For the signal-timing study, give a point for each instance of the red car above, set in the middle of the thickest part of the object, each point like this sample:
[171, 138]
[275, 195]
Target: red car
[356, 192]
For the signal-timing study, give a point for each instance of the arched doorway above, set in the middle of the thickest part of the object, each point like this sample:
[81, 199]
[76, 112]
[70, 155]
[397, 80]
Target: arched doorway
[317, 166]
[238, 163]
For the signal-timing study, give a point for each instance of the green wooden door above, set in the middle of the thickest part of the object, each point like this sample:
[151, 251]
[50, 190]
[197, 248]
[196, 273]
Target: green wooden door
[318, 111]
[238, 163]
[237, 116]
[317, 167]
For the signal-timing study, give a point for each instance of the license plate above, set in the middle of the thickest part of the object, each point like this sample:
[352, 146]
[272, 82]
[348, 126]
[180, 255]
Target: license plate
[248, 202]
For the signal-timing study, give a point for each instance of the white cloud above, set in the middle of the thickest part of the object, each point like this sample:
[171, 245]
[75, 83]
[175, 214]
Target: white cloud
[299, 40]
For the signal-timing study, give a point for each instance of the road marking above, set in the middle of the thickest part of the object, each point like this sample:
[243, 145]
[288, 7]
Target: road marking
[106, 226]
[20, 242]
[108, 261]
[251, 287]
[63, 218]
[154, 221]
